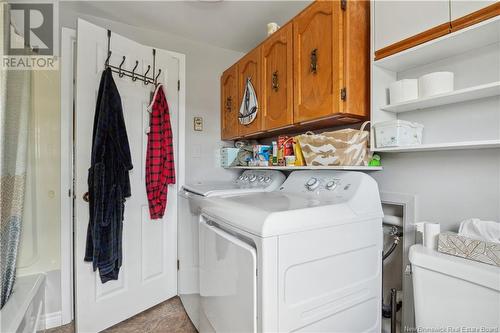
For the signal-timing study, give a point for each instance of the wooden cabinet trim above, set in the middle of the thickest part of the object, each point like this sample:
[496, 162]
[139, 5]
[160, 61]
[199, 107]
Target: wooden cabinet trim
[440, 30]
[476, 17]
[428, 35]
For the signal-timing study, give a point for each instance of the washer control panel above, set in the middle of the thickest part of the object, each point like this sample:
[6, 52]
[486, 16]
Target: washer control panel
[324, 183]
[263, 179]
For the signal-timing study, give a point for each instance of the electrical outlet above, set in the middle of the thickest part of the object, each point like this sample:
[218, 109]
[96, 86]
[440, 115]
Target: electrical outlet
[198, 123]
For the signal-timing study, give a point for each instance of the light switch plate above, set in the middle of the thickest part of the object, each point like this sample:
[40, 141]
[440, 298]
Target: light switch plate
[198, 123]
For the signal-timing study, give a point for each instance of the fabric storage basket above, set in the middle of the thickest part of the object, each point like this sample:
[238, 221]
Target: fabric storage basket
[343, 147]
[397, 133]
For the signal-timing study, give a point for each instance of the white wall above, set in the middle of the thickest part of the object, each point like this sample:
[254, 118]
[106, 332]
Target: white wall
[449, 185]
[39, 248]
[204, 65]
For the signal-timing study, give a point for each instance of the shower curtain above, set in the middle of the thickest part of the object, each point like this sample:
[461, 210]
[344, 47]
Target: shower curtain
[15, 106]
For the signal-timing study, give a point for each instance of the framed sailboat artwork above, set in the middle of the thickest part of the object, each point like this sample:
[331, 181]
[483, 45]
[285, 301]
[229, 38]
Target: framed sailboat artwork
[249, 105]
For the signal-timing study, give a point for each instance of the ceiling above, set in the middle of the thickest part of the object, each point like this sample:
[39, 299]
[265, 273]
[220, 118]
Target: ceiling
[234, 25]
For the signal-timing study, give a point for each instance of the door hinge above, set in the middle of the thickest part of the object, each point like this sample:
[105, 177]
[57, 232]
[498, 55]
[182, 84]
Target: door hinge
[343, 4]
[178, 85]
[343, 94]
[178, 264]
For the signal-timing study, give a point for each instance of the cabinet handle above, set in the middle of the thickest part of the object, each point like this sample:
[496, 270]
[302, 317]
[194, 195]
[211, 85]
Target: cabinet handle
[314, 61]
[275, 82]
[229, 102]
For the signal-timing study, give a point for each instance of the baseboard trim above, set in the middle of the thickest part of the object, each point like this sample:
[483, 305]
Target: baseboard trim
[52, 320]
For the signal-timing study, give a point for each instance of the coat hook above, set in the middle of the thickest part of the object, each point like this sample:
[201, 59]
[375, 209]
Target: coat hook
[157, 75]
[146, 81]
[107, 59]
[133, 70]
[120, 74]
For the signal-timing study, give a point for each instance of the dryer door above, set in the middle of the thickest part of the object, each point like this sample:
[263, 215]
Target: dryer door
[228, 282]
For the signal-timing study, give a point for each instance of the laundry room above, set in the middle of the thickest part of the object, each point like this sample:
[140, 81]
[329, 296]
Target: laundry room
[250, 166]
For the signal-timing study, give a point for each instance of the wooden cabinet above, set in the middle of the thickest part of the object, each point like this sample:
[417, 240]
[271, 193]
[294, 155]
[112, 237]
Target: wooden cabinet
[331, 62]
[317, 51]
[249, 67]
[312, 73]
[229, 103]
[277, 80]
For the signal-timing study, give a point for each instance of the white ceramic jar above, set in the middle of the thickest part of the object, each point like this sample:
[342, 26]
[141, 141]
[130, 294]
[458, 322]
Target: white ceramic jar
[403, 91]
[435, 83]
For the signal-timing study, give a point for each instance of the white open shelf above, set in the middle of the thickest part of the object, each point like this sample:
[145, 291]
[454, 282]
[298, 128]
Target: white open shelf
[475, 36]
[353, 168]
[479, 144]
[457, 96]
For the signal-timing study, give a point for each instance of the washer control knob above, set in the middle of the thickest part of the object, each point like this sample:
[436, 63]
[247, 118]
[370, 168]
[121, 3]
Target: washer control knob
[252, 178]
[312, 184]
[240, 178]
[267, 179]
[261, 178]
[245, 178]
[331, 185]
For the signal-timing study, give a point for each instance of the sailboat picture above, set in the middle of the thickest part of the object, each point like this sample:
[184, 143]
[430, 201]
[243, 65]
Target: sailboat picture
[249, 105]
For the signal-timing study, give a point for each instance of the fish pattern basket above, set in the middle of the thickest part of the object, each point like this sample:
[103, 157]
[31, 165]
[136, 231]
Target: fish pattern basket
[346, 147]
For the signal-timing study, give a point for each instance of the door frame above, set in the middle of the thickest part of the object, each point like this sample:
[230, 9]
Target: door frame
[68, 55]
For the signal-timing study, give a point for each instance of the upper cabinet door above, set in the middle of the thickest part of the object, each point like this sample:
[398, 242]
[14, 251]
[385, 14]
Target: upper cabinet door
[229, 103]
[277, 83]
[398, 20]
[317, 51]
[249, 68]
[461, 8]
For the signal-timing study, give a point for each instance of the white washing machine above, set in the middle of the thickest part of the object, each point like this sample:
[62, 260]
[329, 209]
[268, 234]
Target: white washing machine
[191, 199]
[303, 258]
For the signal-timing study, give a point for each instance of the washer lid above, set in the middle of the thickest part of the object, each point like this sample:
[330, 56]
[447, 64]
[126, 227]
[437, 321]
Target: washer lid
[278, 213]
[468, 270]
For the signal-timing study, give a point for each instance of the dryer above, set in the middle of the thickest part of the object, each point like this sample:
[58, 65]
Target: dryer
[191, 199]
[306, 257]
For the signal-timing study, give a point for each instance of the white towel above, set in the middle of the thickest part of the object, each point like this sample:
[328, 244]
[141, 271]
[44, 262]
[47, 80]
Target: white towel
[482, 230]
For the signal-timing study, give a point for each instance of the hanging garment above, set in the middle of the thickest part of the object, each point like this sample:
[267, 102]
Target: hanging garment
[160, 166]
[108, 181]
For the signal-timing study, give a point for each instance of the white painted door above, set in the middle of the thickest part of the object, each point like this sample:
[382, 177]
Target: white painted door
[148, 275]
[397, 20]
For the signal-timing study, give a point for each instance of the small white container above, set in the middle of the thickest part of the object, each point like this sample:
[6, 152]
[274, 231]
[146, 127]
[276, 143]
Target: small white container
[435, 83]
[397, 133]
[403, 90]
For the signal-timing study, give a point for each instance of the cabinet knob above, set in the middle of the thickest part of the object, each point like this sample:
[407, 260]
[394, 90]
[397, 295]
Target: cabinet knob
[314, 61]
[86, 197]
[274, 81]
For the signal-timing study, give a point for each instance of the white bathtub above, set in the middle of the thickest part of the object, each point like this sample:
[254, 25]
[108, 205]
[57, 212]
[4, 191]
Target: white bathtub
[25, 308]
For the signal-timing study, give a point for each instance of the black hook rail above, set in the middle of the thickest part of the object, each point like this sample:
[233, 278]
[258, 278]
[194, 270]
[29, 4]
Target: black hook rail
[132, 74]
